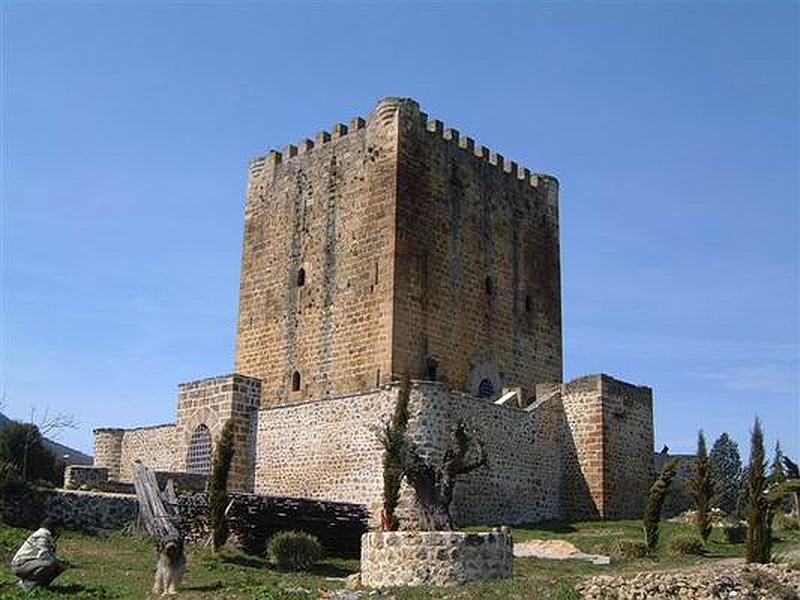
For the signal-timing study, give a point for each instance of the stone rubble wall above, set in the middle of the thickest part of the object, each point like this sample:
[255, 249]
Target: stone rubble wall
[91, 511]
[521, 483]
[746, 581]
[253, 519]
[85, 477]
[77, 510]
[409, 558]
[338, 456]
[78, 477]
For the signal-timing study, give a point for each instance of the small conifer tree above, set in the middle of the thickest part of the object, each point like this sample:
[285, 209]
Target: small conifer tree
[777, 471]
[393, 437]
[702, 486]
[655, 500]
[218, 486]
[726, 466]
[758, 543]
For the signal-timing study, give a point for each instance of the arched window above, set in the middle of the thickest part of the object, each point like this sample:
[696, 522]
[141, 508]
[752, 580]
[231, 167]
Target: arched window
[485, 389]
[301, 277]
[489, 285]
[198, 458]
[431, 368]
[296, 381]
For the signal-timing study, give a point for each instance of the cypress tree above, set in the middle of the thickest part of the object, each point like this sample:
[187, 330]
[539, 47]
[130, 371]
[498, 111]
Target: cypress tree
[702, 486]
[655, 500]
[393, 438]
[218, 486]
[757, 544]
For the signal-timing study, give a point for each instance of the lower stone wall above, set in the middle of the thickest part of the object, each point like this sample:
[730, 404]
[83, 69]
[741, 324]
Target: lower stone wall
[77, 477]
[390, 559]
[327, 450]
[97, 479]
[91, 511]
[77, 510]
[253, 519]
[338, 456]
[521, 483]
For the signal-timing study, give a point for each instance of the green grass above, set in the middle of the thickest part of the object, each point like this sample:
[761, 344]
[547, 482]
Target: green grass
[116, 566]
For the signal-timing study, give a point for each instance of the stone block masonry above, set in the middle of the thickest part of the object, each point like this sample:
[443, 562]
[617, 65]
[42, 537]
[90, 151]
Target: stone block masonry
[395, 246]
[606, 446]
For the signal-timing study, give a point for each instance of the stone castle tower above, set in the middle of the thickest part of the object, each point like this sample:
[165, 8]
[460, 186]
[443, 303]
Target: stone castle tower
[392, 246]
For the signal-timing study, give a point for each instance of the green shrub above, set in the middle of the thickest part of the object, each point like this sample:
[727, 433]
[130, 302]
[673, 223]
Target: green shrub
[630, 549]
[686, 544]
[734, 533]
[294, 550]
[787, 522]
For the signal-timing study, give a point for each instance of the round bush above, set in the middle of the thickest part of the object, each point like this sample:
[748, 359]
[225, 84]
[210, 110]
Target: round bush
[686, 544]
[734, 534]
[294, 550]
[631, 549]
[787, 522]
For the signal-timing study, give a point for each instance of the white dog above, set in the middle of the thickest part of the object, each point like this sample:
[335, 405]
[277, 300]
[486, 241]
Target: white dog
[170, 567]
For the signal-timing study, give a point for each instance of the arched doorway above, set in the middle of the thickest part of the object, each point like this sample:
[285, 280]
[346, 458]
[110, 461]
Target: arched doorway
[198, 457]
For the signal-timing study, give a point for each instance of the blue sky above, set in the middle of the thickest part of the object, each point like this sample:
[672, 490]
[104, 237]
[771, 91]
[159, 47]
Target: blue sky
[673, 129]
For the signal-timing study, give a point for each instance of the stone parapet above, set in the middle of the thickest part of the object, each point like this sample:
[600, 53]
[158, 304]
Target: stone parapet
[401, 558]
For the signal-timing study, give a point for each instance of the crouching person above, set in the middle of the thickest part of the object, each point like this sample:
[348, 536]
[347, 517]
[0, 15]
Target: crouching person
[35, 563]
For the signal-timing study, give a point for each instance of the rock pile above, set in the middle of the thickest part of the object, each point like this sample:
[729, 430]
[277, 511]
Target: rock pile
[742, 582]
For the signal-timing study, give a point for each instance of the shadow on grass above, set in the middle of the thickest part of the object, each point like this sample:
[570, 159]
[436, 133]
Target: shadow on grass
[209, 587]
[242, 560]
[551, 526]
[253, 562]
[70, 589]
[327, 570]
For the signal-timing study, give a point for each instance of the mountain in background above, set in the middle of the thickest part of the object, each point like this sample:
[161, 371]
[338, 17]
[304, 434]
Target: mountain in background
[76, 457]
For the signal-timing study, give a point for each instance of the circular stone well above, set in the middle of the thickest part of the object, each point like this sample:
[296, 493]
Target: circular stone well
[397, 558]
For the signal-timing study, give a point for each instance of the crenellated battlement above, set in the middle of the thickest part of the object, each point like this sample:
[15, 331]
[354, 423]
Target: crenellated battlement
[305, 146]
[438, 129]
[384, 112]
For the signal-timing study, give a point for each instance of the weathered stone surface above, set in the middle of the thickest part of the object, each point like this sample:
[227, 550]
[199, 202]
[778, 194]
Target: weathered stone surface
[720, 582]
[393, 248]
[390, 559]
